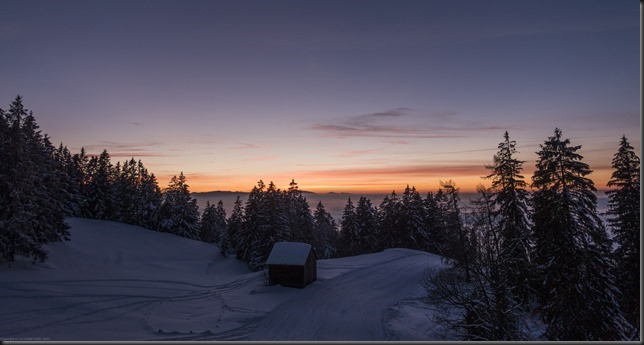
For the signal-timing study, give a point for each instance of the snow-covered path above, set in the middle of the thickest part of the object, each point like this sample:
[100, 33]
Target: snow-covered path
[350, 306]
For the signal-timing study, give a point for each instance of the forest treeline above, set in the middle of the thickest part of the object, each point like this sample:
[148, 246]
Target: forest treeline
[518, 249]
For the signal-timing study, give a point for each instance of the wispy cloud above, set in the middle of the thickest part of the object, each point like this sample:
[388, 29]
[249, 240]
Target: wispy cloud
[403, 123]
[246, 146]
[127, 150]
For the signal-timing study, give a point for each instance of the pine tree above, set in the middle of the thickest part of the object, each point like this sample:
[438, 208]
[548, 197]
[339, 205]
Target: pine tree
[150, 199]
[179, 212]
[100, 192]
[252, 222]
[70, 180]
[127, 188]
[624, 220]
[80, 163]
[325, 228]
[435, 208]
[272, 226]
[390, 227]
[458, 243]
[414, 220]
[207, 225]
[366, 227]
[577, 287]
[299, 217]
[235, 226]
[511, 207]
[33, 201]
[349, 230]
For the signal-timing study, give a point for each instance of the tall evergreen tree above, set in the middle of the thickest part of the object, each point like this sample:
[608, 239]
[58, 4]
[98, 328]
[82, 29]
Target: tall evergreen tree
[414, 220]
[222, 228]
[80, 163]
[390, 227]
[150, 199]
[272, 226]
[100, 192]
[33, 201]
[299, 217]
[577, 287]
[624, 220]
[458, 242]
[348, 230]
[325, 228]
[512, 208]
[179, 212]
[436, 222]
[366, 227]
[207, 224]
[235, 226]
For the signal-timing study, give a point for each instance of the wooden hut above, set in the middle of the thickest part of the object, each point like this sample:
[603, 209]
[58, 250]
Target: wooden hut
[292, 264]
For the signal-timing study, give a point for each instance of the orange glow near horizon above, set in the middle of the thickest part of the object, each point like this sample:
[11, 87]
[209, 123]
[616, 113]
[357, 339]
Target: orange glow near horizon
[356, 184]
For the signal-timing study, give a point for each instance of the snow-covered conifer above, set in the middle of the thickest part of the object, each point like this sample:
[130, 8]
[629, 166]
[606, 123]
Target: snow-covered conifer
[325, 229]
[366, 227]
[624, 220]
[577, 288]
[179, 212]
[348, 229]
[414, 220]
[33, 198]
[390, 222]
[235, 226]
[512, 208]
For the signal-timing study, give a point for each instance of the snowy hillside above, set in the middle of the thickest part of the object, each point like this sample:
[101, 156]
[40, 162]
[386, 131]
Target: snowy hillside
[120, 282]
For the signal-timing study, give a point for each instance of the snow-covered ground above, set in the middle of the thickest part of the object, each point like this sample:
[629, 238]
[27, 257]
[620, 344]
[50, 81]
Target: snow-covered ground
[119, 282]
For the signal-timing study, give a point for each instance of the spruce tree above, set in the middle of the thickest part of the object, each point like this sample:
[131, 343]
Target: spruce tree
[100, 192]
[366, 227]
[390, 222]
[624, 220]
[416, 235]
[235, 226]
[207, 231]
[436, 222]
[299, 217]
[221, 226]
[577, 288]
[348, 230]
[511, 201]
[179, 212]
[33, 198]
[150, 199]
[325, 228]
[458, 242]
[252, 222]
[272, 226]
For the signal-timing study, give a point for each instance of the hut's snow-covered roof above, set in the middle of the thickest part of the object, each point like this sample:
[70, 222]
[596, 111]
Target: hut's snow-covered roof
[289, 253]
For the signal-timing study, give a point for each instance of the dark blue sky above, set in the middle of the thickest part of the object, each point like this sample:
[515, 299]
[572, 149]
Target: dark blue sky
[342, 95]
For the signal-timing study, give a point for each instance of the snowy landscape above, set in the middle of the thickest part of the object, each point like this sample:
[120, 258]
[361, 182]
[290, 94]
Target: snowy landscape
[341, 170]
[121, 282]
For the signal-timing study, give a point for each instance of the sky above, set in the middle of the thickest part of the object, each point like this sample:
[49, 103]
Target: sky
[343, 96]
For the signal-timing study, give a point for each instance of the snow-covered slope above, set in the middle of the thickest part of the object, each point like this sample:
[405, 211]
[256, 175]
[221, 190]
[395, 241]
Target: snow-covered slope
[119, 282]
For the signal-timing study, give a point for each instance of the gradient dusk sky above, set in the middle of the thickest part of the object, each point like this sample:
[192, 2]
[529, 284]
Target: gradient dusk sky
[354, 96]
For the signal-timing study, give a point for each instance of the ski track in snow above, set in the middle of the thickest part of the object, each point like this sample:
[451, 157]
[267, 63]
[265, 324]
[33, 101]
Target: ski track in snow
[119, 282]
